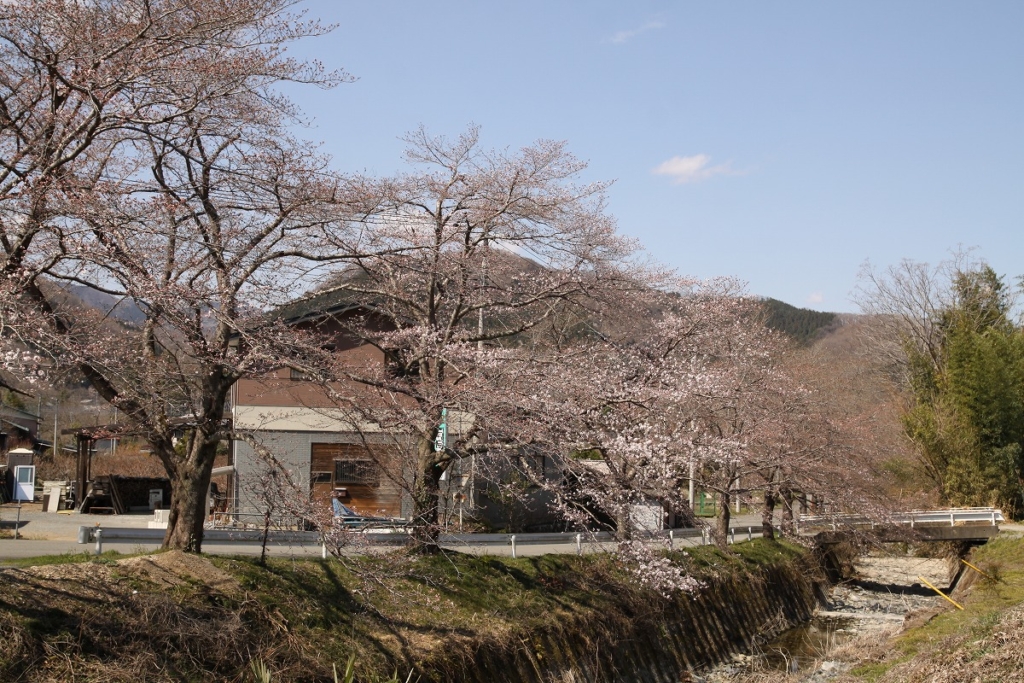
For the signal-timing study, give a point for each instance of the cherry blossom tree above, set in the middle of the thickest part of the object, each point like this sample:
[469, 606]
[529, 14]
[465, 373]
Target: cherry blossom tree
[701, 392]
[475, 252]
[676, 400]
[143, 156]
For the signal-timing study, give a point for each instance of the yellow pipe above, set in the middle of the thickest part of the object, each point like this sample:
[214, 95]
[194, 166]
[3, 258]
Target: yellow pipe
[946, 597]
[979, 571]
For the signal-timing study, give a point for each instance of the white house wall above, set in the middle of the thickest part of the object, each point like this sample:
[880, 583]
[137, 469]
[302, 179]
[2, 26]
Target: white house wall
[297, 419]
[258, 419]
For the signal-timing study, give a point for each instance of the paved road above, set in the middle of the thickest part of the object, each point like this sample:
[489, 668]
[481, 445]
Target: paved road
[39, 525]
[55, 534]
[11, 549]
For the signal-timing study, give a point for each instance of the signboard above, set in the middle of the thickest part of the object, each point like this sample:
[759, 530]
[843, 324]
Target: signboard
[647, 517]
[441, 440]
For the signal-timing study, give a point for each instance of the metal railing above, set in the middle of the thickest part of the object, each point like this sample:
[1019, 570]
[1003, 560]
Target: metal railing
[249, 534]
[573, 539]
[952, 517]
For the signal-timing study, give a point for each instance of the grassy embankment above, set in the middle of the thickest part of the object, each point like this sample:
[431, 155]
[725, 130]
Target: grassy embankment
[984, 642]
[171, 616]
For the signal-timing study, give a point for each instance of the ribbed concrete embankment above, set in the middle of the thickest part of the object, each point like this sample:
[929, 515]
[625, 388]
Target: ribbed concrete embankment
[732, 614]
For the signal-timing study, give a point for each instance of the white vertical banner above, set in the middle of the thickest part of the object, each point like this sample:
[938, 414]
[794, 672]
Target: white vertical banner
[441, 440]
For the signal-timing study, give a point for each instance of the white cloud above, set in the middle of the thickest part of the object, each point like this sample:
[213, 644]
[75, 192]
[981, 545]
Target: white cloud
[691, 169]
[815, 298]
[624, 36]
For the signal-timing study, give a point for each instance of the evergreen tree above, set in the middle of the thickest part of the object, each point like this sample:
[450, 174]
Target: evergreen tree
[967, 412]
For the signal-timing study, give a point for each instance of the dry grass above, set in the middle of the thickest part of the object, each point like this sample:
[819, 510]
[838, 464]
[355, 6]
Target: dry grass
[129, 461]
[984, 642]
[192, 618]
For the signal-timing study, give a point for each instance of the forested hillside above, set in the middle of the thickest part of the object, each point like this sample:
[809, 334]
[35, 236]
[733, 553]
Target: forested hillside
[802, 324]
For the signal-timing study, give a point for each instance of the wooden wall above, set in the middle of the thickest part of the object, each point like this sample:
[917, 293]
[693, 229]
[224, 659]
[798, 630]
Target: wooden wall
[363, 473]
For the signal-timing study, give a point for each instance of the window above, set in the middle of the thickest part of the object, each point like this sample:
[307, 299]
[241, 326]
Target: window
[356, 472]
[321, 478]
[297, 375]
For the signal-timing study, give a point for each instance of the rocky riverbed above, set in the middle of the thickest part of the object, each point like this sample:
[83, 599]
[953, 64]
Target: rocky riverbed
[886, 595]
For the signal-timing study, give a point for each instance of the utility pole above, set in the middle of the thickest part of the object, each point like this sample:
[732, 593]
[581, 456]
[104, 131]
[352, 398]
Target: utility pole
[56, 409]
[692, 472]
[483, 286]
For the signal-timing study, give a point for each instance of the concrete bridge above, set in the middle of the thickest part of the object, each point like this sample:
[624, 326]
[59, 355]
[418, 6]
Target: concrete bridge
[952, 524]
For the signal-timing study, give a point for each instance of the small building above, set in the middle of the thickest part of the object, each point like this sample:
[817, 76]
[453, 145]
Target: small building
[333, 452]
[20, 475]
[318, 445]
[18, 428]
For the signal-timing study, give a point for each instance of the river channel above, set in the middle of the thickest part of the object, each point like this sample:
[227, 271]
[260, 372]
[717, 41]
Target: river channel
[887, 592]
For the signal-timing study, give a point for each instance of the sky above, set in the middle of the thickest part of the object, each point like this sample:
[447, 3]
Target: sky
[785, 143]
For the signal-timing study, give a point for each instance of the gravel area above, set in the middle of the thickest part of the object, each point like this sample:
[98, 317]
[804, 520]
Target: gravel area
[60, 526]
[886, 595]
[887, 589]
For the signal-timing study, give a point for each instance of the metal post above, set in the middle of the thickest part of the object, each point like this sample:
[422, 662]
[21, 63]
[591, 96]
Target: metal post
[750, 533]
[472, 482]
[323, 551]
[483, 284]
[993, 518]
[671, 539]
[17, 524]
[513, 541]
[951, 523]
[579, 544]
[732, 535]
[99, 541]
[703, 536]
[691, 487]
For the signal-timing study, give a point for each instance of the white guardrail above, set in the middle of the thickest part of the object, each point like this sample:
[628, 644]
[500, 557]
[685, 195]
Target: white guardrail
[575, 540]
[682, 537]
[916, 518]
[979, 517]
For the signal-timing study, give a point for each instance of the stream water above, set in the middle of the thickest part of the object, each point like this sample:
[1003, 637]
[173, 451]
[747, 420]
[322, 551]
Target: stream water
[806, 644]
[886, 590]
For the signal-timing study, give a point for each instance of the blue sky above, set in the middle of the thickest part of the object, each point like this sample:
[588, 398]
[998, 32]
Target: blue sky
[782, 143]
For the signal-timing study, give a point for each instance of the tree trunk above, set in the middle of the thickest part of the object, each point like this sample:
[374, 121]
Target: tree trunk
[190, 484]
[623, 524]
[787, 511]
[768, 515]
[426, 492]
[722, 522]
